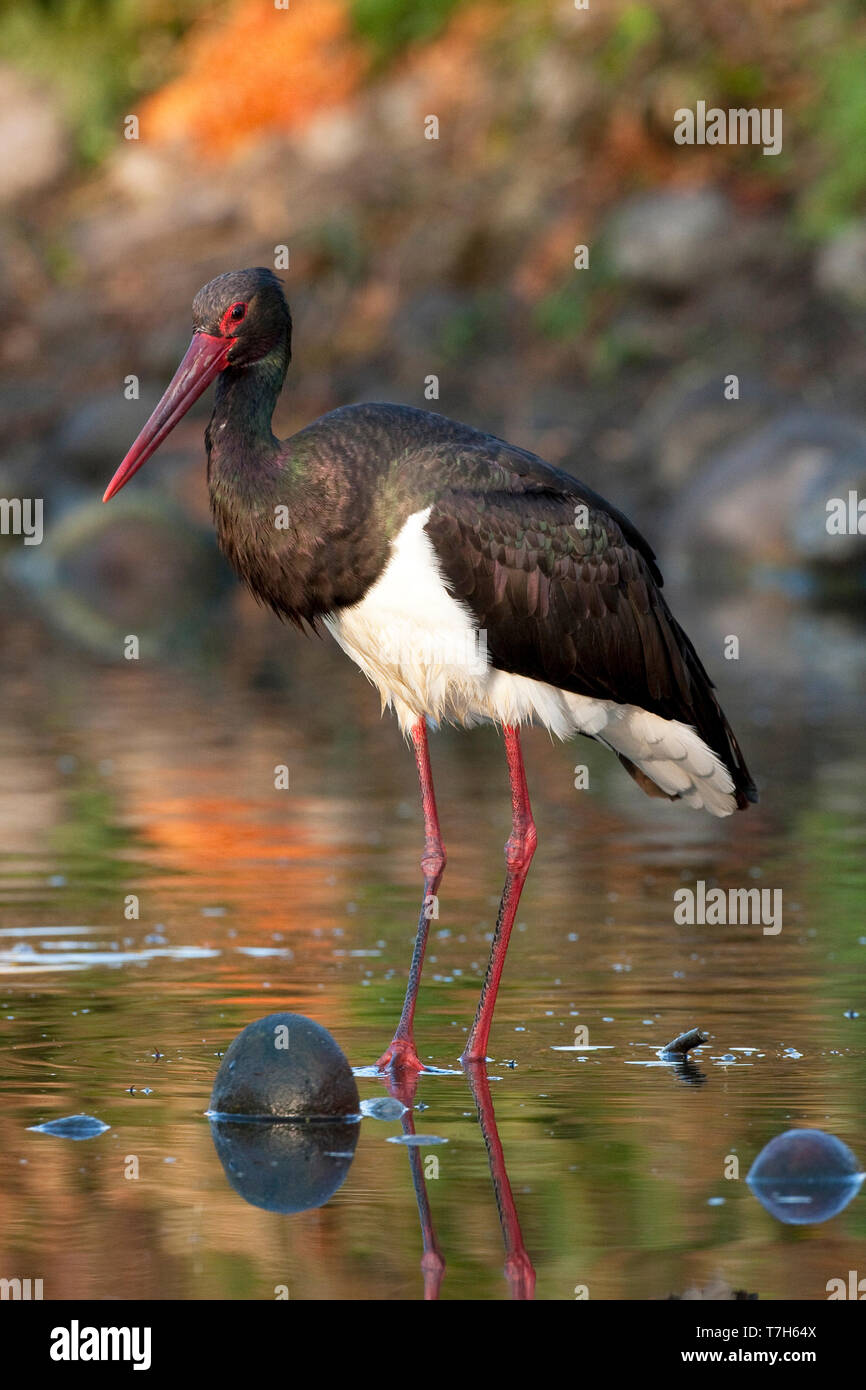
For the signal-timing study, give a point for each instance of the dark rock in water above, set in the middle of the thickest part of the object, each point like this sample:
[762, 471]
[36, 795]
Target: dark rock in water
[286, 1165]
[284, 1066]
[285, 1114]
[804, 1176]
[72, 1127]
[141, 567]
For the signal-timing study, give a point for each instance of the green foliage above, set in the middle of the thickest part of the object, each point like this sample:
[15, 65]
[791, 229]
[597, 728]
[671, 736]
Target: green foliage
[636, 29]
[340, 246]
[615, 350]
[741, 83]
[98, 54]
[562, 313]
[391, 25]
[838, 117]
[577, 303]
[473, 328]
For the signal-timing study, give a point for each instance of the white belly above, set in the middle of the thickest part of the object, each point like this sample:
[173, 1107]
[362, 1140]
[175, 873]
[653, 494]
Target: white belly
[423, 650]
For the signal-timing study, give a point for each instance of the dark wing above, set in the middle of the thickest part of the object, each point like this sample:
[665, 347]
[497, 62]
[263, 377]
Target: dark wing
[573, 598]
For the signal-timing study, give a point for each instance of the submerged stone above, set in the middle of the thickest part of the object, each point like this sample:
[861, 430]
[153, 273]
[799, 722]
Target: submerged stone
[72, 1127]
[804, 1176]
[383, 1108]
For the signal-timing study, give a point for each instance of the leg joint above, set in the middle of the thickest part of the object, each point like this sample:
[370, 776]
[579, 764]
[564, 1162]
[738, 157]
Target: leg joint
[433, 861]
[520, 846]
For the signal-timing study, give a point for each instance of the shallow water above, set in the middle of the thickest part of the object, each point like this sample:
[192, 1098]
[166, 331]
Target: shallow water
[157, 781]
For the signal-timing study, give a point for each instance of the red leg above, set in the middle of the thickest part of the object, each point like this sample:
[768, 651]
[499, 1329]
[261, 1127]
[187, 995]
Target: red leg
[402, 1052]
[518, 857]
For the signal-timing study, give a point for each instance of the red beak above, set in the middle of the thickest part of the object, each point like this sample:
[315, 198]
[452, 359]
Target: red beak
[204, 359]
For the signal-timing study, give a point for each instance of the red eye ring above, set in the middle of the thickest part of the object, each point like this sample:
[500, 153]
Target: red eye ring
[233, 314]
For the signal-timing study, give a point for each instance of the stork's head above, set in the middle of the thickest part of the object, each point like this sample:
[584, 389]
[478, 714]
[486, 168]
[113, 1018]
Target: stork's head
[239, 319]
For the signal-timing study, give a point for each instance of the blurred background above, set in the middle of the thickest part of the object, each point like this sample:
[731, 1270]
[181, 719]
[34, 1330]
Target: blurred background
[305, 128]
[260, 128]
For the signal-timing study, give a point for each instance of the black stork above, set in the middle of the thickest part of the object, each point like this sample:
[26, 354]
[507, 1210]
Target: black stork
[467, 578]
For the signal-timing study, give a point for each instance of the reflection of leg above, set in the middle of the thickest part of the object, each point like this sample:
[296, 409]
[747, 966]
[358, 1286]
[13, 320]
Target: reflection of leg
[402, 1051]
[403, 1085]
[518, 1266]
[518, 857]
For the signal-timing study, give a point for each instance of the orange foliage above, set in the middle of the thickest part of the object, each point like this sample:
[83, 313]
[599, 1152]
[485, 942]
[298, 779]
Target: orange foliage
[260, 69]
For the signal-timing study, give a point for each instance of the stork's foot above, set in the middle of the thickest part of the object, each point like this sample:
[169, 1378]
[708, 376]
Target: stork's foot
[400, 1057]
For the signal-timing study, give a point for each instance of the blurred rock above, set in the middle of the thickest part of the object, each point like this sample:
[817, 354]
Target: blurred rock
[19, 465]
[332, 140]
[428, 321]
[840, 266]
[688, 418]
[812, 662]
[26, 406]
[34, 148]
[718, 1290]
[560, 93]
[96, 436]
[765, 499]
[140, 173]
[22, 270]
[670, 240]
[155, 202]
[138, 567]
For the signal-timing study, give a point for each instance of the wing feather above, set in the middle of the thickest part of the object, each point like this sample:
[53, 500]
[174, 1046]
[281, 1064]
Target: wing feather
[579, 607]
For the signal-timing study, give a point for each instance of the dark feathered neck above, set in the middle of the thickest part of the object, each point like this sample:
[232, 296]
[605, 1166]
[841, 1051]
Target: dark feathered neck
[240, 427]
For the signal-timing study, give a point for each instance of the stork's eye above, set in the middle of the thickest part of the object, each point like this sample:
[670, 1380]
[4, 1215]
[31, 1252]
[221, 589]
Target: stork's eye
[233, 314]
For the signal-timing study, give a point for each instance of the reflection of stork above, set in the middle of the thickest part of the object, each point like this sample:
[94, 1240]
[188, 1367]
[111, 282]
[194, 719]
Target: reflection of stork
[467, 578]
[403, 1087]
[518, 1267]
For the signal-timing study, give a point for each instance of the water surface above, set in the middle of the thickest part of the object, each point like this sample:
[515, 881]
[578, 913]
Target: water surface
[157, 780]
